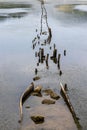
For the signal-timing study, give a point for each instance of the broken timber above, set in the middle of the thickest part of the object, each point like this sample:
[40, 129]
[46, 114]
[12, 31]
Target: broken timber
[23, 97]
[67, 100]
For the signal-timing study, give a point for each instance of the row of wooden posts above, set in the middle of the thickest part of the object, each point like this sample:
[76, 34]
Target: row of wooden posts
[42, 57]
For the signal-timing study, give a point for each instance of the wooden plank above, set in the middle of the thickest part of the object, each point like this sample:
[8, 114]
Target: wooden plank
[23, 97]
[67, 100]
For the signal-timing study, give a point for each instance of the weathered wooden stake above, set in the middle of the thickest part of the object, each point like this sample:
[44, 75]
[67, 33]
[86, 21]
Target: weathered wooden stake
[65, 87]
[47, 61]
[64, 52]
[67, 100]
[42, 55]
[23, 97]
[33, 46]
[60, 72]
[55, 53]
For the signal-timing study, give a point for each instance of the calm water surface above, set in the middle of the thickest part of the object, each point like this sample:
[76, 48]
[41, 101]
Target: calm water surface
[17, 62]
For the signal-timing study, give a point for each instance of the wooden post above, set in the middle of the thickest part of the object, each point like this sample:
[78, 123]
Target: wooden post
[42, 55]
[64, 52]
[60, 72]
[23, 97]
[55, 53]
[67, 100]
[47, 61]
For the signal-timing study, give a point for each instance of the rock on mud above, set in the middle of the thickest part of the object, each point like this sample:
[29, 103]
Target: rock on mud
[37, 119]
[48, 101]
[54, 96]
[36, 78]
[51, 93]
[36, 94]
[38, 89]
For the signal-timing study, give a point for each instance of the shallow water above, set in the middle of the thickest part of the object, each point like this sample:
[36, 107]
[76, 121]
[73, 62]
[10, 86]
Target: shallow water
[69, 31]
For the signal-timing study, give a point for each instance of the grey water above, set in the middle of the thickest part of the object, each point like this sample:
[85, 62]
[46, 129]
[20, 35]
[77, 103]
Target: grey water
[18, 22]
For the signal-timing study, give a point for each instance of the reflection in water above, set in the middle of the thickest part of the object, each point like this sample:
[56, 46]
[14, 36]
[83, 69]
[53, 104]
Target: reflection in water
[71, 14]
[13, 10]
[44, 21]
[42, 40]
[9, 5]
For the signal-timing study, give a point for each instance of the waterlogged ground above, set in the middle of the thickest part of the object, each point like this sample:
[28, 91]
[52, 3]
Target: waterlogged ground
[18, 24]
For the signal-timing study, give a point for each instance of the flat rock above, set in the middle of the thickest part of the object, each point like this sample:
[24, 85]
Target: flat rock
[47, 91]
[37, 119]
[37, 94]
[36, 78]
[27, 107]
[48, 101]
[54, 96]
[38, 89]
[51, 93]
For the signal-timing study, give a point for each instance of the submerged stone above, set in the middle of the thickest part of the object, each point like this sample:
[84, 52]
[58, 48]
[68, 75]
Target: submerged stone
[54, 96]
[48, 101]
[51, 93]
[47, 91]
[36, 94]
[27, 107]
[38, 89]
[37, 119]
[36, 78]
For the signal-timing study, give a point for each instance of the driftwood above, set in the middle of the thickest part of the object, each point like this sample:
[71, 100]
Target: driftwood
[23, 97]
[67, 100]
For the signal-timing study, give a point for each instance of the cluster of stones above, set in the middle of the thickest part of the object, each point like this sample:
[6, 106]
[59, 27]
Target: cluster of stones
[38, 91]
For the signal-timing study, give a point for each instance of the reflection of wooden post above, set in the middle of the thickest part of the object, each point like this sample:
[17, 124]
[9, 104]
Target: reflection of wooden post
[54, 46]
[58, 65]
[50, 33]
[50, 47]
[36, 71]
[37, 64]
[39, 60]
[67, 100]
[36, 54]
[59, 55]
[33, 46]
